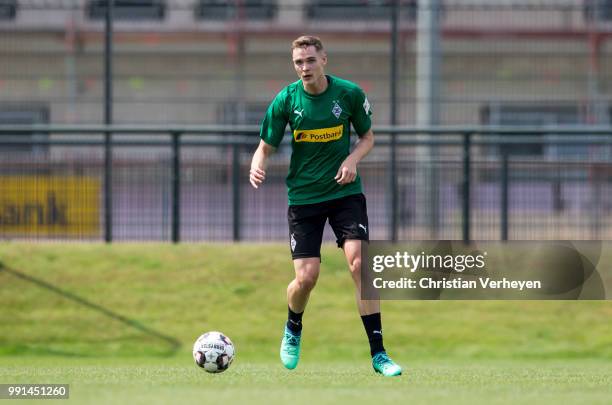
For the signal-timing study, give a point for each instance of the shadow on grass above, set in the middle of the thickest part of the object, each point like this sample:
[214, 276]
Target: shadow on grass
[173, 343]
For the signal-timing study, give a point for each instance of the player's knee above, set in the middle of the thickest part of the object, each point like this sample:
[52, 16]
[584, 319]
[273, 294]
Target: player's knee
[306, 281]
[355, 266]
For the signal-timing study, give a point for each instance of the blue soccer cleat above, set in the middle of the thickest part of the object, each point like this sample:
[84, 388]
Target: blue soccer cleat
[384, 365]
[290, 349]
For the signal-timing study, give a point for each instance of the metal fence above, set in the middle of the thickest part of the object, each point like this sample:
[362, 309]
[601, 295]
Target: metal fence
[191, 184]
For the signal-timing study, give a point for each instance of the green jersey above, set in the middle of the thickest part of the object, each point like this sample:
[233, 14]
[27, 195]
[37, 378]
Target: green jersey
[320, 125]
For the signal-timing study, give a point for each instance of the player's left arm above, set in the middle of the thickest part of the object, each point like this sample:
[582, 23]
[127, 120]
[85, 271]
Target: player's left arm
[347, 172]
[360, 118]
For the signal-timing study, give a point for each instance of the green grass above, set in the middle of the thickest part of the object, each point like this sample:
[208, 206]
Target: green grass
[117, 323]
[175, 380]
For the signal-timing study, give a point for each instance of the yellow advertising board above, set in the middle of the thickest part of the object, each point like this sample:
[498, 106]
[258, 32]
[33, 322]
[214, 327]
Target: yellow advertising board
[49, 206]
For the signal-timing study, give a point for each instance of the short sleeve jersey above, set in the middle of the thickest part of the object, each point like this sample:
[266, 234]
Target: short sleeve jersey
[320, 127]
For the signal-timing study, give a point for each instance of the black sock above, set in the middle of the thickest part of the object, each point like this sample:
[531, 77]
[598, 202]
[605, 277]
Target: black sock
[294, 321]
[373, 328]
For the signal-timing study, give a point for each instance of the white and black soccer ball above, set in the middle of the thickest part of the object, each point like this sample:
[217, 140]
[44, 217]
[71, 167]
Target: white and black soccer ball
[214, 352]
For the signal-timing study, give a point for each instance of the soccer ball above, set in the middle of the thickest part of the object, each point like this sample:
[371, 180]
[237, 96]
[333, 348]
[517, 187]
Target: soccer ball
[214, 352]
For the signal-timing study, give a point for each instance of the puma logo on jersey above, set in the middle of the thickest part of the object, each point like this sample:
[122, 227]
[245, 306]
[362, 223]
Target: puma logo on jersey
[298, 112]
[365, 228]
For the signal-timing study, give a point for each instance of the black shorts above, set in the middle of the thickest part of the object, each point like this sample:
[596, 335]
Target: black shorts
[348, 217]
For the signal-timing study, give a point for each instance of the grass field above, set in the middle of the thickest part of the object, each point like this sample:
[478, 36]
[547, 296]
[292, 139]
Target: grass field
[117, 323]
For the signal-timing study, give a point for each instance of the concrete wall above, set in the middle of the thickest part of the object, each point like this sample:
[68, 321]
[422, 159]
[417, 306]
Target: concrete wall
[184, 71]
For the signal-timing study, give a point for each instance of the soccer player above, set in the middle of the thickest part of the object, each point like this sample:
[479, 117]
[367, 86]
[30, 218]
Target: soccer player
[323, 184]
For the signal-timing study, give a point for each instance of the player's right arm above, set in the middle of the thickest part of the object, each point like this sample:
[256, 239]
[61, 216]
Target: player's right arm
[271, 134]
[259, 163]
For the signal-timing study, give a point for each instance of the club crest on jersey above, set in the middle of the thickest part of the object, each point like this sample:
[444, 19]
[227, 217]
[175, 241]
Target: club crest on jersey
[366, 106]
[336, 109]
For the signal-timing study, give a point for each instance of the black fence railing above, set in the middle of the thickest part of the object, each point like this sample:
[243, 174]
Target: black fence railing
[191, 183]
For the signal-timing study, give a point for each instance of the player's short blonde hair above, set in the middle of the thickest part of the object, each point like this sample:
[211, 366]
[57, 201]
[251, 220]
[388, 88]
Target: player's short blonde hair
[306, 41]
